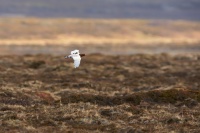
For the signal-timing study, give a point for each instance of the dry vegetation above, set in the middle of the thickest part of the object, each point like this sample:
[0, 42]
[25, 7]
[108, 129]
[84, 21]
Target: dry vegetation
[108, 93]
[111, 36]
[33, 31]
[135, 93]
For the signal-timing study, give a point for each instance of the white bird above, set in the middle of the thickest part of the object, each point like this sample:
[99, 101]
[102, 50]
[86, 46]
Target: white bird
[76, 56]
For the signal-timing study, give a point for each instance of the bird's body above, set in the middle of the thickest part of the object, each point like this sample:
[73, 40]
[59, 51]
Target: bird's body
[76, 56]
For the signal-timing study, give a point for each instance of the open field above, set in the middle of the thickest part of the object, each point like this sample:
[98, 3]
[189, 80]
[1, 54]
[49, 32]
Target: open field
[111, 36]
[141, 93]
[116, 88]
[34, 31]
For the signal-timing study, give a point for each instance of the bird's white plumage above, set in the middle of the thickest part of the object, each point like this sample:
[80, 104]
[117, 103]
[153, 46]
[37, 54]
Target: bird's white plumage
[75, 52]
[76, 57]
[77, 62]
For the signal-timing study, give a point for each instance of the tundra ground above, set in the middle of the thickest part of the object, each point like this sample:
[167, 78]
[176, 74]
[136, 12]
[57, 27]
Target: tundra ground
[107, 93]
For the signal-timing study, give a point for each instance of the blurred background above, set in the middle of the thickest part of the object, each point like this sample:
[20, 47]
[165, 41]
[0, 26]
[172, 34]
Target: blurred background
[142, 73]
[99, 26]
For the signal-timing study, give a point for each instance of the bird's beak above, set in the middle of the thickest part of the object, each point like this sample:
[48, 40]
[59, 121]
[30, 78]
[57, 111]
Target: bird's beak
[66, 57]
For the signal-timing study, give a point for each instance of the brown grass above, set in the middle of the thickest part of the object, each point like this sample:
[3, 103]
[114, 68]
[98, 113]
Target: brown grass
[142, 93]
[34, 31]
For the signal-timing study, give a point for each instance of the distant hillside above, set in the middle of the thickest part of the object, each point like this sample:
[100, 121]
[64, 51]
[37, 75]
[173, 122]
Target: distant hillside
[153, 9]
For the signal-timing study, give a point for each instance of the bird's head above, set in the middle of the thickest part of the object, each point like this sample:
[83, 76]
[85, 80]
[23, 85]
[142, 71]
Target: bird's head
[75, 52]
